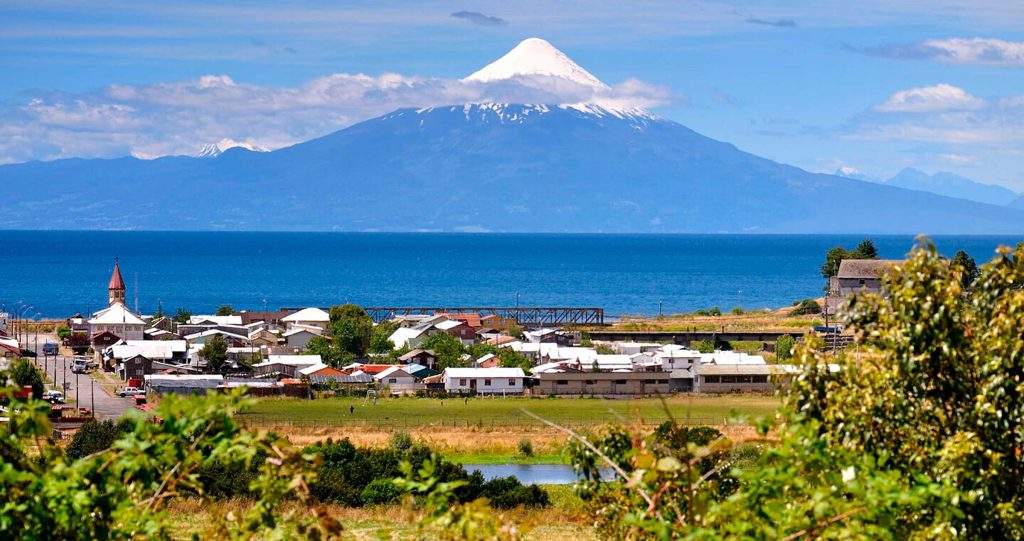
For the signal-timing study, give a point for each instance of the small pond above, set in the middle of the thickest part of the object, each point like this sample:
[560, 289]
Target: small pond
[541, 474]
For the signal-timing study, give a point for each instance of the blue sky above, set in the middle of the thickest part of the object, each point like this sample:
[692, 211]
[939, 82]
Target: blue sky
[874, 86]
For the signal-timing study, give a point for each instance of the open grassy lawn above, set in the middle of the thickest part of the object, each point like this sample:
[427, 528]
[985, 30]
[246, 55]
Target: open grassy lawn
[480, 412]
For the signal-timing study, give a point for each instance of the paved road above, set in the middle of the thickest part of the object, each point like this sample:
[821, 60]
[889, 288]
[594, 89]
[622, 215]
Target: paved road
[81, 387]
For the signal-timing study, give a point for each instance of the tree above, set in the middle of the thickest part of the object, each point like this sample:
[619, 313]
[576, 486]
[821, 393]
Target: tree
[225, 310]
[919, 431]
[328, 352]
[25, 374]
[351, 328]
[122, 491]
[379, 341]
[968, 268]
[513, 359]
[215, 351]
[63, 333]
[865, 250]
[448, 349]
[182, 315]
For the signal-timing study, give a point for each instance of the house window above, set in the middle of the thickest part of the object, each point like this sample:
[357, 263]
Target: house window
[589, 382]
[487, 382]
[620, 382]
[861, 282]
[760, 379]
[562, 382]
[511, 382]
[710, 379]
[393, 380]
[462, 383]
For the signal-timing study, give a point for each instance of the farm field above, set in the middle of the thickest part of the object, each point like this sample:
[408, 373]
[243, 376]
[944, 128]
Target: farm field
[483, 412]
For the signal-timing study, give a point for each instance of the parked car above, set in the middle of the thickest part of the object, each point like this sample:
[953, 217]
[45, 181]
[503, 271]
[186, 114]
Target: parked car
[130, 391]
[54, 397]
[79, 366]
[49, 348]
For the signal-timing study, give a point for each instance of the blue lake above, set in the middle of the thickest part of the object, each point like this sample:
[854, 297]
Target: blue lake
[62, 272]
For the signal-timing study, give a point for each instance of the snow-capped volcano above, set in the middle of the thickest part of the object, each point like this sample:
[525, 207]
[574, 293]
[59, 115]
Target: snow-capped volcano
[535, 56]
[213, 150]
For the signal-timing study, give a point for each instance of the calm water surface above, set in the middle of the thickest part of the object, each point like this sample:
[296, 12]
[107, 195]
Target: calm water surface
[60, 273]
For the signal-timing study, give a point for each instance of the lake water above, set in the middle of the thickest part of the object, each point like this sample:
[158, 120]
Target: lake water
[61, 272]
[541, 474]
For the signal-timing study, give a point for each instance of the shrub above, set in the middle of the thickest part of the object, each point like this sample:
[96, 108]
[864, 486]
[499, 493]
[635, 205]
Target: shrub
[95, 436]
[230, 479]
[737, 311]
[713, 311]
[381, 490]
[806, 307]
[401, 441]
[525, 447]
[704, 346]
[784, 347]
[508, 492]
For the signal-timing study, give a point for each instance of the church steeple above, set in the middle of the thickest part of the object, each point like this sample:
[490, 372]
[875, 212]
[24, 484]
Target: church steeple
[116, 289]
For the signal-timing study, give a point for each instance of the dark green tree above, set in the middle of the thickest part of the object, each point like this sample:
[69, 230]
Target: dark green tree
[328, 352]
[182, 315]
[351, 328]
[215, 351]
[225, 310]
[968, 268]
[865, 250]
[379, 342]
[448, 349]
[24, 373]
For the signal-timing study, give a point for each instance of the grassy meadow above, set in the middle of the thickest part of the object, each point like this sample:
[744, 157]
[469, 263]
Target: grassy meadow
[483, 412]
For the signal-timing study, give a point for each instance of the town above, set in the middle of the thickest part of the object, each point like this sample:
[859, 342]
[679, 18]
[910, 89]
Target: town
[424, 352]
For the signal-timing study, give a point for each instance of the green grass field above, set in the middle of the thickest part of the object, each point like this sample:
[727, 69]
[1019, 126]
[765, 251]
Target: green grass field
[412, 412]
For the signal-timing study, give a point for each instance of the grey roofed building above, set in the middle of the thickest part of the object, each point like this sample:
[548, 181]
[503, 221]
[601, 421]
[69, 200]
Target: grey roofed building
[865, 268]
[855, 276]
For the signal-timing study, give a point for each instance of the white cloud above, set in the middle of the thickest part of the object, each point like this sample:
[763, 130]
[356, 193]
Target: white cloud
[940, 97]
[977, 51]
[181, 117]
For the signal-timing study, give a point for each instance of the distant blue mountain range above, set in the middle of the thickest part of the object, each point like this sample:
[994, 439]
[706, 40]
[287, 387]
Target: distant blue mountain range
[482, 167]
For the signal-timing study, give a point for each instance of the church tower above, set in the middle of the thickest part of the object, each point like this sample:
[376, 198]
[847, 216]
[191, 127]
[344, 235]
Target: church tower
[115, 289]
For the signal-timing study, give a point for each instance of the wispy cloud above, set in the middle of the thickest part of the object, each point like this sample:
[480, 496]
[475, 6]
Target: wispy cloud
[990, 51]
[778, 23]
[479, 18]
[181, 117]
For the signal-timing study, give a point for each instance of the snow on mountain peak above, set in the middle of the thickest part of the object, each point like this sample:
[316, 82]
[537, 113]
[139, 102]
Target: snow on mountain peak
[535, 56]
[213, 150]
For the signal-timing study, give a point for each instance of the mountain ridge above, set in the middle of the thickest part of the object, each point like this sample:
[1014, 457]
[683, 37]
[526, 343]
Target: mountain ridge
[460, 168]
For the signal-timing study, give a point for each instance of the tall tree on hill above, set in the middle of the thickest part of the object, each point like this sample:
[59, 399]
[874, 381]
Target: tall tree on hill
[351, 328]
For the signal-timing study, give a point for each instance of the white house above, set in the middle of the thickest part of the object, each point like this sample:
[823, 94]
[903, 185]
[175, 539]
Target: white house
[230, 337]
[397, 380]
[298, 336]
[170, 351]
[308, 317]
[216, 321]
[289, 365]
[407, 337]
[484, 380]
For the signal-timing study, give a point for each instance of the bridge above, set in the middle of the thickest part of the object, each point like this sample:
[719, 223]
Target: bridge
[527, 316]
[684, 338]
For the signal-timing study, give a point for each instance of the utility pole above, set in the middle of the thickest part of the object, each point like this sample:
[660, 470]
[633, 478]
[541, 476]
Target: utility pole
[92, 395]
